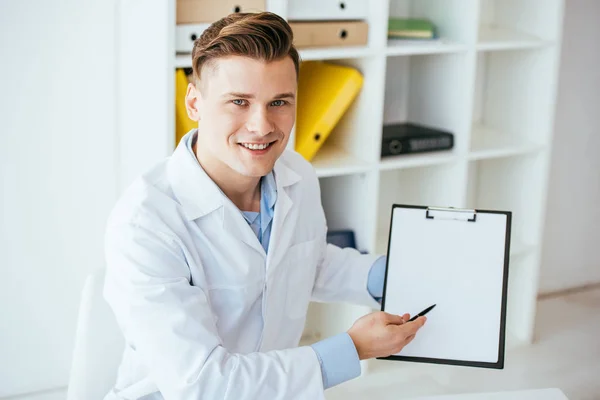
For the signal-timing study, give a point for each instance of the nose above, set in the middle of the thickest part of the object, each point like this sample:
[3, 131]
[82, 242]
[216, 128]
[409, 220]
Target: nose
[259, 122]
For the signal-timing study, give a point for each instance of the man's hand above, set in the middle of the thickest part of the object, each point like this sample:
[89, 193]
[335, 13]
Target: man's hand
[380, 334]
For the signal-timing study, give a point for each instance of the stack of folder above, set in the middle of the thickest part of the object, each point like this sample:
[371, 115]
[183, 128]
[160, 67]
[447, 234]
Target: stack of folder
[325, 91]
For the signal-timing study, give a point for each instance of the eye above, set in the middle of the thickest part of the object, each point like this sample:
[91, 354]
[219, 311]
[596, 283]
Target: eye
[278, 103]
[239, 102]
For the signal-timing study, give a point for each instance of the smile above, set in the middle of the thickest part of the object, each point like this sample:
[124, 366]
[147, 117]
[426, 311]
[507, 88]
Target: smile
[256, 146]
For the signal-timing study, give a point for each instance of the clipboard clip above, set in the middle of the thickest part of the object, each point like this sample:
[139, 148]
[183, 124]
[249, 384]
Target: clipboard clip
[461, 214]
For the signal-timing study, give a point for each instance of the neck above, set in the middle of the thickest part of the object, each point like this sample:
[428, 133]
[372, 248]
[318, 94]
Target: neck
[243, 191]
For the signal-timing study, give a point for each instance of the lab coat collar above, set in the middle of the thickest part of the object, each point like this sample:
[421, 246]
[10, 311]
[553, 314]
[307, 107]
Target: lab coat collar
[199, 195]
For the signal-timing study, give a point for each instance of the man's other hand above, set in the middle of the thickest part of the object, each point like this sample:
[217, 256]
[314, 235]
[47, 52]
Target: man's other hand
[380, 334]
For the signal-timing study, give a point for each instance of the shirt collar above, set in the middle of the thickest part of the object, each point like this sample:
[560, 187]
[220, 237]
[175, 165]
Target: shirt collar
[268, 196]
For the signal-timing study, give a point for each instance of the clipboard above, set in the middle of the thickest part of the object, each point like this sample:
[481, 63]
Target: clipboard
[457, 259]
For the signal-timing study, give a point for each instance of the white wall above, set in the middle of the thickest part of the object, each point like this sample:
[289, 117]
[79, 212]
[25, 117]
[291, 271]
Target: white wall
[571, 255]
[57, 171]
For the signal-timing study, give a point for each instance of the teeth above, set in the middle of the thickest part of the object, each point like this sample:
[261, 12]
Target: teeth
[252, 146]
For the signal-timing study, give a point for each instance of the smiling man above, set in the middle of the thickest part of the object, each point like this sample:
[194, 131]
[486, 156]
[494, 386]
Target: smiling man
[214, 254]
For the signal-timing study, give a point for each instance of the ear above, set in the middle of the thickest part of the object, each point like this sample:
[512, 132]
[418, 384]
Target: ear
[192, 102]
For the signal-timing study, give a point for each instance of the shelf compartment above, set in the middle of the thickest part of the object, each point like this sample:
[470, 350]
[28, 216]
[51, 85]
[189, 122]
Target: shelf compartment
[517, 24]
[491, 38]
[512, 104]
[429, 90]
[449, 16]
[514, 184]
[348, 202]
[489, 143]
[332, 161]
[353, 144]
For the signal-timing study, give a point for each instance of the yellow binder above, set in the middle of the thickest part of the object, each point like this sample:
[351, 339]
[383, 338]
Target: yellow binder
[183, 123]
[325, 91]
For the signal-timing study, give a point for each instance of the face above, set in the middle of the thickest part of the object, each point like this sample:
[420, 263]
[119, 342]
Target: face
[245, 110]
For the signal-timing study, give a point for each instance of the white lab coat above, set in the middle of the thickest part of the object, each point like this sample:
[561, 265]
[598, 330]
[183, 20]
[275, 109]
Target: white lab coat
[184, 268]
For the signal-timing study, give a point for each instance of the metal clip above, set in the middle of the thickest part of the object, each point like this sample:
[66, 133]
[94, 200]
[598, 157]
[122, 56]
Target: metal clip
[462, 214]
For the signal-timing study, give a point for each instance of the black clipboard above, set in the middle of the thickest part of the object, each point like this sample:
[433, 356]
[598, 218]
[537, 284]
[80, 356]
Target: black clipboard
[457, 259]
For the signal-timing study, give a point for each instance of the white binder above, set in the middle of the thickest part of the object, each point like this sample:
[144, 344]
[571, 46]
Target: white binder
[458, 260]
[186, 34]
[327, 10]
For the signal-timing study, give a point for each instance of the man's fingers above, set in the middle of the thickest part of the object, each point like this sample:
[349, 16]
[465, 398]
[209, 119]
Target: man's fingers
[393, 319]
[411, 328]
[419, 322]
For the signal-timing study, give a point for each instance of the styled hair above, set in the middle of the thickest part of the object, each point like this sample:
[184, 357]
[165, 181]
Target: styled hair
[262, 36]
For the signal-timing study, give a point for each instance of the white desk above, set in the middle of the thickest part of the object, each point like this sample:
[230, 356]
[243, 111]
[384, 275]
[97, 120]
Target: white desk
[538, 394]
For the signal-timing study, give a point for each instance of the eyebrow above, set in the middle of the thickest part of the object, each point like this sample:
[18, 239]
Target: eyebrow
[251, 96]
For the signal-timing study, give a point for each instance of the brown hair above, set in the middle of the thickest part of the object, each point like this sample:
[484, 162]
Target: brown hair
[264, 36]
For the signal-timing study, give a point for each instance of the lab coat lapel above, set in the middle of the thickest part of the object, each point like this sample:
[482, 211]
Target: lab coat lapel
[235, 224]
[193, 188]
[281, 234]
[199, 195]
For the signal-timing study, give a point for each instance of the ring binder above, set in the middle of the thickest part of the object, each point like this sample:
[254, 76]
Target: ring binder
[464, 214]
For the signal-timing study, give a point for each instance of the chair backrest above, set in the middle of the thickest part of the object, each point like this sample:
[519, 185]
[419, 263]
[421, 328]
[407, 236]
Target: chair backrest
[99, 344]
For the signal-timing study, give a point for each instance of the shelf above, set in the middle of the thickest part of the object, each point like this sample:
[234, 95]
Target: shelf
[331, 53]
[417, 160]
[333, 161]
[492, 38]
[488, 143]
[183, 60]
[413, 47]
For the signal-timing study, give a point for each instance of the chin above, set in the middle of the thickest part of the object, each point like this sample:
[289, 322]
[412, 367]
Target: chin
[256, 171]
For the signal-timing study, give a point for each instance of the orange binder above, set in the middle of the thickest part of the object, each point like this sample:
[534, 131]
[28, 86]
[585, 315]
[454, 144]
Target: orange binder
[325, 91]
[183, 123]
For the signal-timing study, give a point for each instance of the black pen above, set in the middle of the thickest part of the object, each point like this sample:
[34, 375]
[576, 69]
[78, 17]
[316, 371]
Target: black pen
[425, 311]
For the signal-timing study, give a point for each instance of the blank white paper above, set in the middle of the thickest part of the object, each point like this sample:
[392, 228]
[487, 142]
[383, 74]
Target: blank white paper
[457, 265]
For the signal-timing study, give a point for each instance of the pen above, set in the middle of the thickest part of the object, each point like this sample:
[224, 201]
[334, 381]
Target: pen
[425, 311]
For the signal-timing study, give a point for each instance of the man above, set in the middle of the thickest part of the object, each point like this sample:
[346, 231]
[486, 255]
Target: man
[214, 255]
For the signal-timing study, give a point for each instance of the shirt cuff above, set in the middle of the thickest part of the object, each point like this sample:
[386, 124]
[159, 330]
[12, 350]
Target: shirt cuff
[338, 358]
[376, 278]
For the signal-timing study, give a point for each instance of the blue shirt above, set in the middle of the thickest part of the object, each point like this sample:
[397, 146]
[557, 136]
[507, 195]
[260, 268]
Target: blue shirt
[337, 355]
[260, 222]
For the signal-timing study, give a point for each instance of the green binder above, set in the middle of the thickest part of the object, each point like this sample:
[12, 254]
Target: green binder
[411, 28]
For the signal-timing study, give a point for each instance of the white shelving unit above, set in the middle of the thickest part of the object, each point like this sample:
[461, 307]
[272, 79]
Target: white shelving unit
[490, 79]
